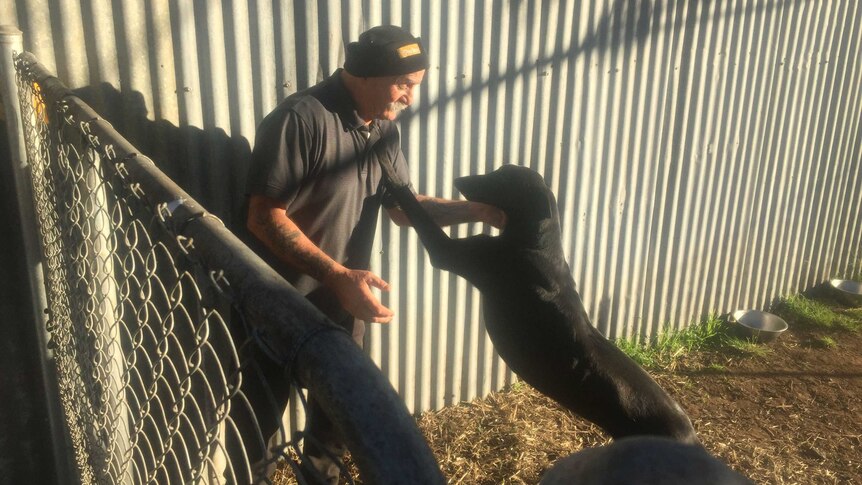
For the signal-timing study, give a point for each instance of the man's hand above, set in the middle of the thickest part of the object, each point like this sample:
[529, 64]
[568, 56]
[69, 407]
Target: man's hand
[269, 222]
[353, 289]
[491, 215]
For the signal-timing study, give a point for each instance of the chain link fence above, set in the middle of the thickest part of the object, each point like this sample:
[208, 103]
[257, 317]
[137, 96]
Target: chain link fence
[158, 320]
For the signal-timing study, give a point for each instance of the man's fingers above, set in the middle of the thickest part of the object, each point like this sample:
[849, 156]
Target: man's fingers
[502, 219]
[376, 281]
[356, 296]
[382, 319]
[379, 314]
[371, 308]
[379, 310]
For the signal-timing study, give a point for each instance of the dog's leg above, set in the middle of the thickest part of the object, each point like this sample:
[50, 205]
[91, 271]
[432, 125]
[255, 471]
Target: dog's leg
[445, 253]
[429, 231]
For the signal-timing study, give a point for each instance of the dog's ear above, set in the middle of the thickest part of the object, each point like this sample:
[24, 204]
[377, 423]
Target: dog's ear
[546, 204]
[543, 201]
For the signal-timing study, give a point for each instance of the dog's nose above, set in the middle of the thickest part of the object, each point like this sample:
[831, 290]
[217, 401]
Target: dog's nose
[463, 183]
[470, 187]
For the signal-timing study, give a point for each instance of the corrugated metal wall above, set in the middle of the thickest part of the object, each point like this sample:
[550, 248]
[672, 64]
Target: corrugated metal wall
[705, 154]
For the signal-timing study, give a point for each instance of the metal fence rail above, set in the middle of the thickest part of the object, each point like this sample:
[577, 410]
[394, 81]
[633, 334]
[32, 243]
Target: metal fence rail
[156, 313]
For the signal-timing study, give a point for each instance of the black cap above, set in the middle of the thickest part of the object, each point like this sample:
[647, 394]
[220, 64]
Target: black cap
[386, 50]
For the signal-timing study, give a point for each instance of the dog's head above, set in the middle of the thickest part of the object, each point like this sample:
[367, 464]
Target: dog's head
[519, 191]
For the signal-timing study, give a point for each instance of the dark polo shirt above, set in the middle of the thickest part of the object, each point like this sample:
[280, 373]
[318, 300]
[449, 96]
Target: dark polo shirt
[314, 154]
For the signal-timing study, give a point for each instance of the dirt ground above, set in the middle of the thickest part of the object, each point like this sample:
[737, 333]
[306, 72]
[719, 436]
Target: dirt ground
[790, 416]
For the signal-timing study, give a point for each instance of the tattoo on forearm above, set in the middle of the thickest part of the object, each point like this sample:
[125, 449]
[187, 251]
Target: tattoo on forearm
[284, 238]
[305, 257]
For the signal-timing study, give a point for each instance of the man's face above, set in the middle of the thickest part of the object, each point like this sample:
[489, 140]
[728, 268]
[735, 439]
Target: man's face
[390, 95]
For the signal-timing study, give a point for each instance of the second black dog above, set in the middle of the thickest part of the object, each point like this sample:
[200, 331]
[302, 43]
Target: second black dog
[533, 313]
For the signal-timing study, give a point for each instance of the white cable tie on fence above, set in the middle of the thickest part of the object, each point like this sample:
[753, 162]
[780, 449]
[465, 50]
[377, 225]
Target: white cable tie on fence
[174, 204]
[180, 227]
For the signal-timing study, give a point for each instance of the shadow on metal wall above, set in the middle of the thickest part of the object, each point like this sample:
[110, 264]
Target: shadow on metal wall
[208, 164]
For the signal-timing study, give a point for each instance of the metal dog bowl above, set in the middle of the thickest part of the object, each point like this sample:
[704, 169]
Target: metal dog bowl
[849, 291]
[761, 326]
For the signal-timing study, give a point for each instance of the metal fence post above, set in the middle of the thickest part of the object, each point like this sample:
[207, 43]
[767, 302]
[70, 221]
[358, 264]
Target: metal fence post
[11, 41]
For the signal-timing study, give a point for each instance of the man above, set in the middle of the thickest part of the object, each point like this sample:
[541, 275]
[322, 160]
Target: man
[315, 191]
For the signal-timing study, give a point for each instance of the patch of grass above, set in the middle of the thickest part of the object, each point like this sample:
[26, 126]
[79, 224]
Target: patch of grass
[825, 342]
[670, 346]
[748, 347]
[638, 352]
[855, 313]
[798, 309]
[713, 334]
[517, 386]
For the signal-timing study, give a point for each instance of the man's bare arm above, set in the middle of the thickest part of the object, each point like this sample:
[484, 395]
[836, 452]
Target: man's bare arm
[268, 221]
[446, 212]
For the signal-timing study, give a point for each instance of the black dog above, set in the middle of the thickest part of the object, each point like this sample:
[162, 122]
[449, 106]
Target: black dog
[533, 313]
[645, 460]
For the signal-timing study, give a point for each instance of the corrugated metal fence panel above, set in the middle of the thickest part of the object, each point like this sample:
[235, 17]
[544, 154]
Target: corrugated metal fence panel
[705, 155]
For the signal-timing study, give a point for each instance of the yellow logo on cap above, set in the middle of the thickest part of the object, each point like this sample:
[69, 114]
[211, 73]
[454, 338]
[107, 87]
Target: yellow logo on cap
[408, 50]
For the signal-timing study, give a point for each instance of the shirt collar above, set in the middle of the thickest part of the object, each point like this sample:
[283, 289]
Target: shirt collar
[343, 104]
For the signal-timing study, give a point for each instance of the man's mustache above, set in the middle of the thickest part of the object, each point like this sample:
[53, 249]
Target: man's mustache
[397, 106]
